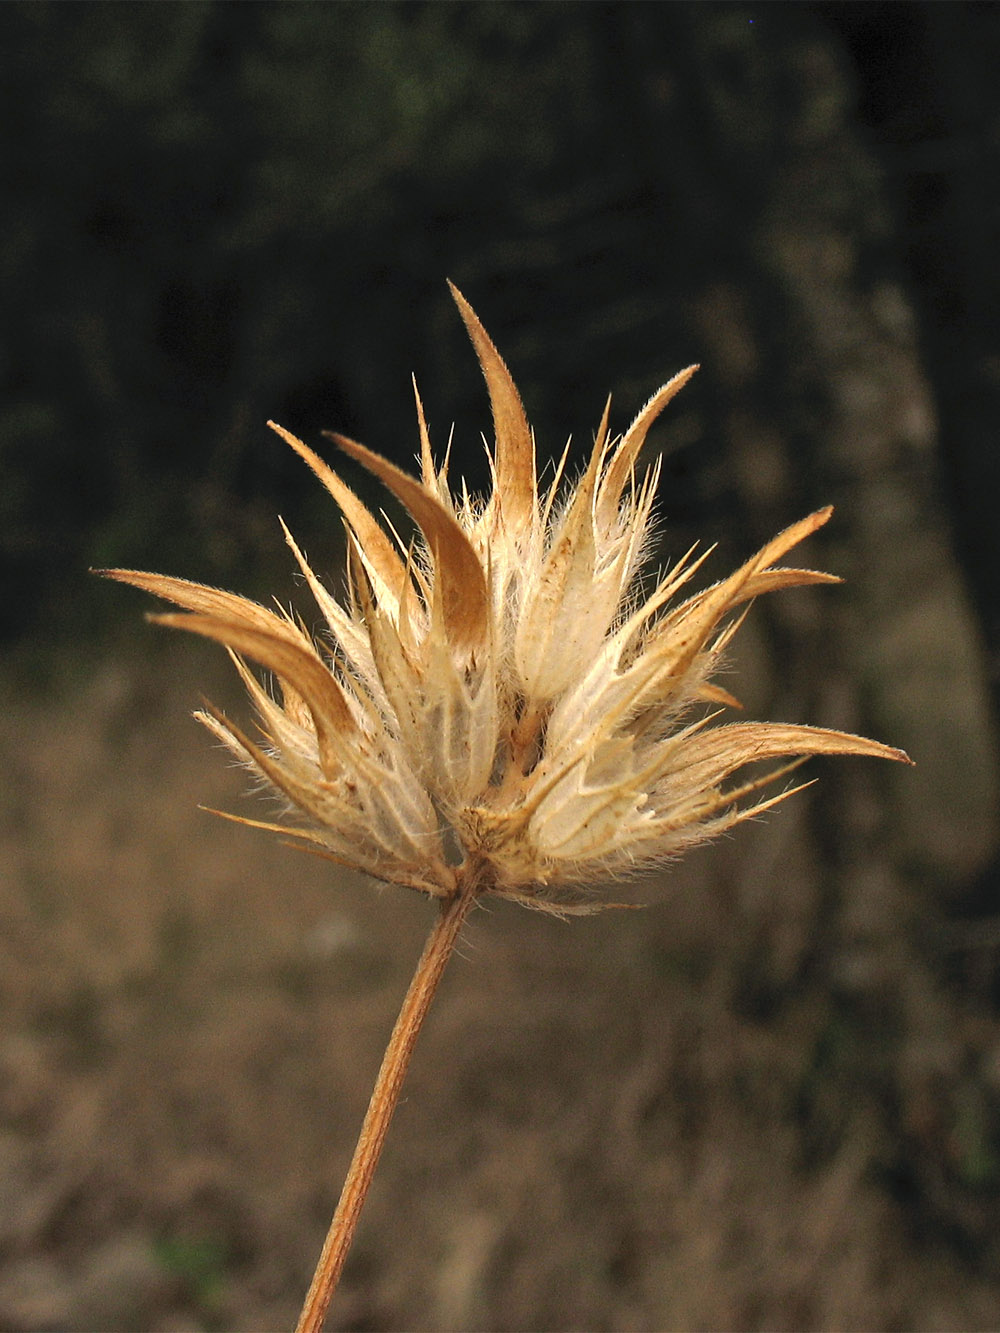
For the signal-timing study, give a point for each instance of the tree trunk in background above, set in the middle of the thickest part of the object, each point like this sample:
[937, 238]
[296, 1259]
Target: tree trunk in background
[852, 412]
[814, 358]
[780, 239]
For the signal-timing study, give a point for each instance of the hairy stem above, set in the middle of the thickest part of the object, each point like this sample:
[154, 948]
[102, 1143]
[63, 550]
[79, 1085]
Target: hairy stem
[385, 1095]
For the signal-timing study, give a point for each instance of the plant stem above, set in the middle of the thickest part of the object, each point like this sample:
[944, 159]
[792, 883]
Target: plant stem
[385, 1095]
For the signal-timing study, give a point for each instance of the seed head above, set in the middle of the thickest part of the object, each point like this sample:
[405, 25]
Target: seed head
[506, 691]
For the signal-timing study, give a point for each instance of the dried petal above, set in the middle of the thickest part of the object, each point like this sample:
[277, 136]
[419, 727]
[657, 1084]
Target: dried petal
[514, 459]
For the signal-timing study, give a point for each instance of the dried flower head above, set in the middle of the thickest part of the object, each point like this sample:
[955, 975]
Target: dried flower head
[505, 692]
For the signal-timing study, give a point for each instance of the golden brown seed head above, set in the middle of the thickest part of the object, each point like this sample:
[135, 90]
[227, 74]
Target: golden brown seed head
[505, 694]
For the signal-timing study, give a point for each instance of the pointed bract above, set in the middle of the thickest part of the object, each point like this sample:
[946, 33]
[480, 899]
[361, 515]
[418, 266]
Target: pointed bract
[458, 571]
[514, 458]
[625, 456]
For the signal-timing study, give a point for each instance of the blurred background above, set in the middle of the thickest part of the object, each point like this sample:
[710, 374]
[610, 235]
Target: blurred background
[769, 1100]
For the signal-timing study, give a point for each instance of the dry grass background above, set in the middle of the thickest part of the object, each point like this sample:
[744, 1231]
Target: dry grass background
[642, 1121]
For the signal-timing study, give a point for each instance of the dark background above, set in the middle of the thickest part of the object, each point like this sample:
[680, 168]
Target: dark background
[217, 213]
[220, 213]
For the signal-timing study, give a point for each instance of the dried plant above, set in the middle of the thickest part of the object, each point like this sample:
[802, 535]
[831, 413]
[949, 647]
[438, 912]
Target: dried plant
[505, 705]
